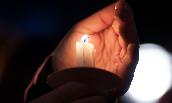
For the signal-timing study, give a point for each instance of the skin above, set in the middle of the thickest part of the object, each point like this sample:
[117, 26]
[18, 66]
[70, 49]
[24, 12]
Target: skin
[112, 31]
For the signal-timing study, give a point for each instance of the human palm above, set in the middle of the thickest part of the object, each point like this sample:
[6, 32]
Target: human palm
[113, 33]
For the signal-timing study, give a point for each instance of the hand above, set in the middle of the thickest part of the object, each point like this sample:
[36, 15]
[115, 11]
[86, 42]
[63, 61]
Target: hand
[71, 92]
[112, 31]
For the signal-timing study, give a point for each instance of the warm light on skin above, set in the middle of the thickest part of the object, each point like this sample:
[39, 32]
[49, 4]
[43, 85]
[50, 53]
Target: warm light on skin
[114, 36]
[153, 74]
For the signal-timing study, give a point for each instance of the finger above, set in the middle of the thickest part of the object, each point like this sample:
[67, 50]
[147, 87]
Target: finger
[124, 24]
[97, 22]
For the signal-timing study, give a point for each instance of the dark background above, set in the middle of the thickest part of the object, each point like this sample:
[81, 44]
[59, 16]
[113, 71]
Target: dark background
[30, 30]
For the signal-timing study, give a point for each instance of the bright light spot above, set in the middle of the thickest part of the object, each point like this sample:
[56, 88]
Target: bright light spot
[152, 77]
[85, 38]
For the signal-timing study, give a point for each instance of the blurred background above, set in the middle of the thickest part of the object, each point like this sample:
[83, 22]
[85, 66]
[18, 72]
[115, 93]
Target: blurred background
[30, 30]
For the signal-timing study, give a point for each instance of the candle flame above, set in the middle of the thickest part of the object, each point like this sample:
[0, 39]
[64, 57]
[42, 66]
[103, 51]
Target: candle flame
[85, 38]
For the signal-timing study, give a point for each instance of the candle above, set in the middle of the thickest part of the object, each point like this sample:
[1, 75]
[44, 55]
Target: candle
[85, 52]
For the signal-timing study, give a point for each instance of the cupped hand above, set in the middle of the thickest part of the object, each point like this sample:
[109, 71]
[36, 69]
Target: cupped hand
[112, 31]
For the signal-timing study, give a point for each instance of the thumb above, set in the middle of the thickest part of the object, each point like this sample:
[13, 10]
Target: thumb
[123, 23]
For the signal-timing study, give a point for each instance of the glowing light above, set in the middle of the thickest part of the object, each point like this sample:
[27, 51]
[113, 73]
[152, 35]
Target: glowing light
[152, 77]
[85, 38]
[85, 52]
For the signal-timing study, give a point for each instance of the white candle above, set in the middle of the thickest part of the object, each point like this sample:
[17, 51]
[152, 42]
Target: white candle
[85, 52]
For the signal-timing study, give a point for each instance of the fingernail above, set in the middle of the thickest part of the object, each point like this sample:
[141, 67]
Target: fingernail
[120, 8]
